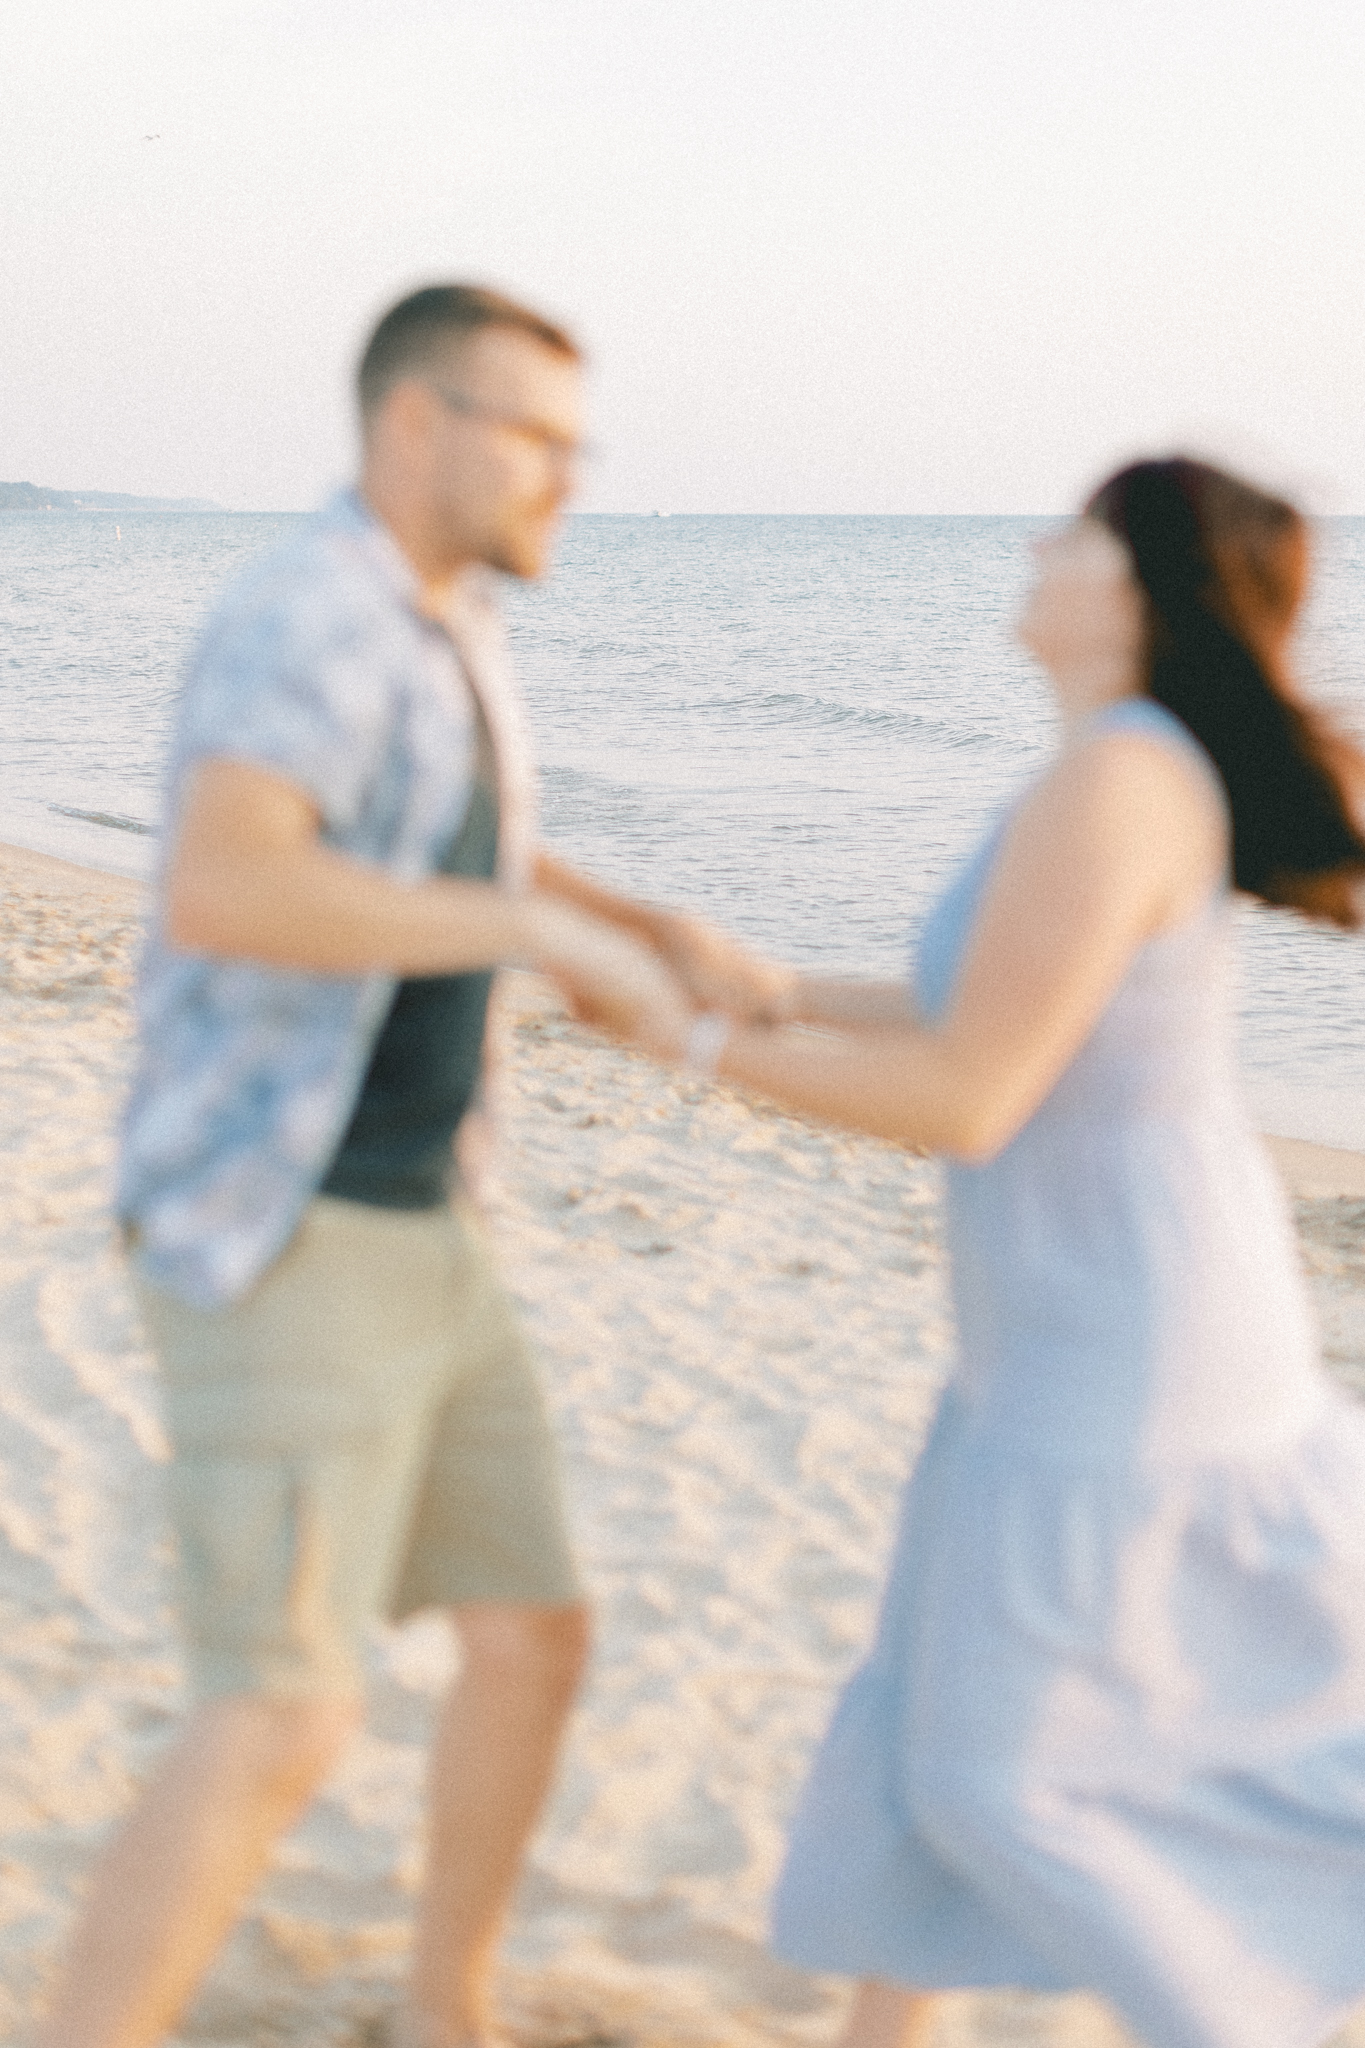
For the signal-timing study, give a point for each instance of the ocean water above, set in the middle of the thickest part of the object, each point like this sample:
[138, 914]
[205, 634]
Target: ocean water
[797, 725]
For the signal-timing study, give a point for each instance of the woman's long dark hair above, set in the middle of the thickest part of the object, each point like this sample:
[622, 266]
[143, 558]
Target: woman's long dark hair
[1222, 566]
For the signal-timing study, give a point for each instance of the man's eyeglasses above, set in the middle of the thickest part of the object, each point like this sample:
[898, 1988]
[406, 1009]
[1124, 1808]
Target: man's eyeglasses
[563, 447]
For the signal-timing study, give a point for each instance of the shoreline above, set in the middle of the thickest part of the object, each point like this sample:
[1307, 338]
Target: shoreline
[1314, 1172]
[21, 863]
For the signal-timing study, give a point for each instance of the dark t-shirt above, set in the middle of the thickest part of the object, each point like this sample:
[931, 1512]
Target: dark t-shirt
[424, 1070]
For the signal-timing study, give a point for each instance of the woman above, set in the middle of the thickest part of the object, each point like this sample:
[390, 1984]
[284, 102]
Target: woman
[1112, 1732]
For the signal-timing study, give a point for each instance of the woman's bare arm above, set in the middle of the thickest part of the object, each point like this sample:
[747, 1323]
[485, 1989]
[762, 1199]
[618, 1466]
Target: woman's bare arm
[851, 1004]
[1122, 839]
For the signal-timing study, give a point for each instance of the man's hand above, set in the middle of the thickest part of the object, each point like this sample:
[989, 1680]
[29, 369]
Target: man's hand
[720, 974]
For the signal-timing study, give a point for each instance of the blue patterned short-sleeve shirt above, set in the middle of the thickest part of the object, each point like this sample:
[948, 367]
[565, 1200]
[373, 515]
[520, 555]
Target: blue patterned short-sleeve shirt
[320, 665]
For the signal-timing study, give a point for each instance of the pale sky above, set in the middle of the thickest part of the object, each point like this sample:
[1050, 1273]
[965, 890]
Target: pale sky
[826, 255]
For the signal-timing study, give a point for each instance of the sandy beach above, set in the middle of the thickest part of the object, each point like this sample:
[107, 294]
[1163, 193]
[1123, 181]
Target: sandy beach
[743, 1326]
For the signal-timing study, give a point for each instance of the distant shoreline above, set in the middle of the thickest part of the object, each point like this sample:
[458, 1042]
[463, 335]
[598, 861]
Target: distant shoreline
[16, 497]
[25, 497]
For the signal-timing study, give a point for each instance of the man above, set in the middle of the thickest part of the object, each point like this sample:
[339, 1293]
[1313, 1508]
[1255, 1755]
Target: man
[355, 1426]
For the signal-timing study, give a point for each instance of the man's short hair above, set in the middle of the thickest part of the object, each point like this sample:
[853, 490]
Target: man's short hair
[414, 335]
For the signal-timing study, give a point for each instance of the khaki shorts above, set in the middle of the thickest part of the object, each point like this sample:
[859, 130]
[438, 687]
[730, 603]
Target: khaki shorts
[362, 1435]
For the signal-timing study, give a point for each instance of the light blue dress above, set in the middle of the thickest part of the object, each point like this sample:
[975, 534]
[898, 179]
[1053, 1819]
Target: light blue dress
[1111, 1734]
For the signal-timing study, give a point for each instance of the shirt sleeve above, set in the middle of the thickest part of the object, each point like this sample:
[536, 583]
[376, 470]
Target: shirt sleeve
[298, 674]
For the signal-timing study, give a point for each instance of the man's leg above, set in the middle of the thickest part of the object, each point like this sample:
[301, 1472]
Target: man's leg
[174, 1879]
[491, 1766]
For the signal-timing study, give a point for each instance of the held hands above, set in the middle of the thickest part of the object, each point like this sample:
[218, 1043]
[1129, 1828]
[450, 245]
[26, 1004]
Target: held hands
[664, 995]
[611, 980]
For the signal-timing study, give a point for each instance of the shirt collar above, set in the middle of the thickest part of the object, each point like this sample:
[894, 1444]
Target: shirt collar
[347, 512]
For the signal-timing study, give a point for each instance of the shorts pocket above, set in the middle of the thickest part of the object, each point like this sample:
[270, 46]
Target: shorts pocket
[273, 1593]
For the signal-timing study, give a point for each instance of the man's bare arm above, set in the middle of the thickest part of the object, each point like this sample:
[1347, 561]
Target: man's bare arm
[250, 879]
[645, 920]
